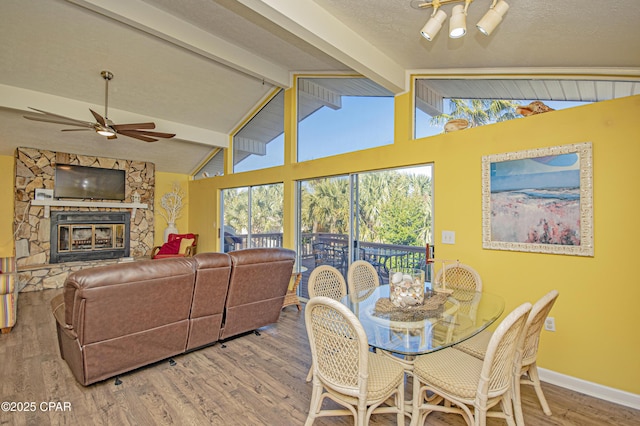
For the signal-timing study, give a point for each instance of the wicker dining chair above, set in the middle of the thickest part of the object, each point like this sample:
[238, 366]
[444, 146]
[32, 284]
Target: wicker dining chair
[345, 371]
[470, 386]
[525, 369]
[361, 277]
[325, 280]
[466, 285]
[460, 276]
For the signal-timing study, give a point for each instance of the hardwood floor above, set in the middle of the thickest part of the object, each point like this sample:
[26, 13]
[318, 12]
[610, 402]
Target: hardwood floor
[254, 380]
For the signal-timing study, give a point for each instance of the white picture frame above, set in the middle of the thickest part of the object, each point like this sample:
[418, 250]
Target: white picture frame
[539, 200]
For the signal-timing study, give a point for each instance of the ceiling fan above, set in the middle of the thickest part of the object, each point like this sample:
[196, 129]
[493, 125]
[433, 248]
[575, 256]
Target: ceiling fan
[103, 126]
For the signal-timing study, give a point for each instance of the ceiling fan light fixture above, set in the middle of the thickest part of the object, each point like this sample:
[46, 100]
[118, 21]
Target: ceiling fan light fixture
[493, 17]
[458, 22]
[106, 132]
[433, 25]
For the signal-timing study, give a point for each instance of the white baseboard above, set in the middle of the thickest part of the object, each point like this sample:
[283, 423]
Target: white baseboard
[616, 396]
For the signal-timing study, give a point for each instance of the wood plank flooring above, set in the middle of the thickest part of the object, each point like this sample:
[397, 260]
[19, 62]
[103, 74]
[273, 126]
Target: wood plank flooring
[253, 380]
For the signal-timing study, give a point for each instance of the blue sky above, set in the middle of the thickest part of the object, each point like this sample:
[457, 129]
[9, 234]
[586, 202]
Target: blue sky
[361, 123]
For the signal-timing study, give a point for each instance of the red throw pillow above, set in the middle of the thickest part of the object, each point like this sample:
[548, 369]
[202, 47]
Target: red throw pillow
[171, 247]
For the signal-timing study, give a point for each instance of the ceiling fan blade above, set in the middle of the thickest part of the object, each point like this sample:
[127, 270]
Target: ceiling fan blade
[98, 118]
[68, 119]
[46, 119]
[155, 134]
[137, 135]
[134, 126]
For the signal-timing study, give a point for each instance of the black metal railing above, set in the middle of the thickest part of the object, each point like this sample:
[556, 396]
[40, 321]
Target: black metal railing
[333, 249]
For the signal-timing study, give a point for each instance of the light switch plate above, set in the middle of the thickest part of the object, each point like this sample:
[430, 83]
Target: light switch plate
[448, 237]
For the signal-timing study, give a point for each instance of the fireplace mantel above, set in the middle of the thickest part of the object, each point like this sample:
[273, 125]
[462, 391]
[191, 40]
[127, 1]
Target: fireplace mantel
[104, 204]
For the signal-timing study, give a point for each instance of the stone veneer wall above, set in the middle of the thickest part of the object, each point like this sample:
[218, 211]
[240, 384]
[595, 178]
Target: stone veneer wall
[35, 168]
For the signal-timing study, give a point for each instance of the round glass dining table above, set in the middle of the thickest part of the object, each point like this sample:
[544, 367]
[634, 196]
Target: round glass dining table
[442, 320]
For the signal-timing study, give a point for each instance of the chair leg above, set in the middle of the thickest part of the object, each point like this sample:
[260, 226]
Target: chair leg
[315, 405]
[505, 403]
[6, 330]
[517, 402]
[532, 372]
[400, 404]
[361, 419]
[310, 375]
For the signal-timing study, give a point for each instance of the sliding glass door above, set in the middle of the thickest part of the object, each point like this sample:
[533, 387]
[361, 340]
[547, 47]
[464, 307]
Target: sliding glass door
[252, 217]
[383, 217]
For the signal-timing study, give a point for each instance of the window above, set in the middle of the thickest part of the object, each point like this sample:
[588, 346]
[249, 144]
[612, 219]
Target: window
[338, 115]
[213, 167]
[487, 101]
[252, 217]
[260, 143]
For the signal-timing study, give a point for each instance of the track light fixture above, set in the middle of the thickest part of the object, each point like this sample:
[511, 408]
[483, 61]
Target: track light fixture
[458, 21]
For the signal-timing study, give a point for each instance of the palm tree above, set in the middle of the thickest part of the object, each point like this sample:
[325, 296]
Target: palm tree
[478, 111]
[326, 205]
[266, 208]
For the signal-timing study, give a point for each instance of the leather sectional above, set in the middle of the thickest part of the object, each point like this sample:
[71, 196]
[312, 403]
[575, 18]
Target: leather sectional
[116, 318]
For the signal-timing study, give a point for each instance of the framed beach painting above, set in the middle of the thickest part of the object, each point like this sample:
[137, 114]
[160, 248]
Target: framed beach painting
[540, 200]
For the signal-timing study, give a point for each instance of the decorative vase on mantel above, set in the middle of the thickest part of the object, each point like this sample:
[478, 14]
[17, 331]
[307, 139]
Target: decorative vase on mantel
[170, 229]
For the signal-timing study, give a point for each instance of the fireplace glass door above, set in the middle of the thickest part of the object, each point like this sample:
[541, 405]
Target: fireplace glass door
[87, 237]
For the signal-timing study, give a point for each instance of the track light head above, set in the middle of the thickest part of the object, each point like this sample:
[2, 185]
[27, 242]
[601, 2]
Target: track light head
[433, 25]
[493, 17]
[458, 22]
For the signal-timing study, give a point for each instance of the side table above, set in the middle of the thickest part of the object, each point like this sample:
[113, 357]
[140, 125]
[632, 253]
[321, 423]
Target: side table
[291, 298]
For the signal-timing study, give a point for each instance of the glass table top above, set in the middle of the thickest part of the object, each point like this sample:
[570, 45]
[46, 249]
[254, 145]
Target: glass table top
[442, 320]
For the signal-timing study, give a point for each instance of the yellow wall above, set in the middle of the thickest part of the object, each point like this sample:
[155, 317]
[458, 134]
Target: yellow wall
[596, 338]
[6, 205]
[164, 183]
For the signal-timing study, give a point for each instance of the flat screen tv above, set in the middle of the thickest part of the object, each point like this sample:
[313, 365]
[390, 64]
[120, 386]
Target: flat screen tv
[88, 182]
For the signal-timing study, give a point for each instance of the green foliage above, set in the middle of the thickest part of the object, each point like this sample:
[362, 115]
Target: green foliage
[478, 111]
[403, 218]
[394, 208]
[266, 208]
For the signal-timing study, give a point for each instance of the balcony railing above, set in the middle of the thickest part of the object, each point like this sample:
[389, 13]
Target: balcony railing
[333, 249]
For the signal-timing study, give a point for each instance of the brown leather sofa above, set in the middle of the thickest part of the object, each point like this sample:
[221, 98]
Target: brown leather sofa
[116, 318]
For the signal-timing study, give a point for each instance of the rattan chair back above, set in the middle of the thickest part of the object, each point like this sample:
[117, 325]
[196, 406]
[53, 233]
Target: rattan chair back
[325, 280]
[362, 277]
[339, 345]
[536, 319]
[497, 369]
[459, 275]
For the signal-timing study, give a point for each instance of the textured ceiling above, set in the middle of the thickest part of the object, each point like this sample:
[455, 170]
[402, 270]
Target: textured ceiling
[197, 67]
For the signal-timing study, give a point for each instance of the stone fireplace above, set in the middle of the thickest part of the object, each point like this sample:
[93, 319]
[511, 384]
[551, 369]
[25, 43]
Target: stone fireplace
[81, 236]
[46, 252]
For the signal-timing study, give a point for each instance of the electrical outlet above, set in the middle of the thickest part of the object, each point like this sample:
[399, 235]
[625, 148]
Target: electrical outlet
[448, 237]
[550, 324]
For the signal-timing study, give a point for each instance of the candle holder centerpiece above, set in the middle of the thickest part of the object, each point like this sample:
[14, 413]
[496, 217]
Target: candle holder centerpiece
[406, 287]
[441, 286]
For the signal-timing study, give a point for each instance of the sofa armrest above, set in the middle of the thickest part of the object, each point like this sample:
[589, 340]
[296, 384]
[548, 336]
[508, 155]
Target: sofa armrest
[57, 307]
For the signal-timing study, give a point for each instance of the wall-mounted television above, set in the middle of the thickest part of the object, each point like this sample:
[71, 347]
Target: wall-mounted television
[88, 182]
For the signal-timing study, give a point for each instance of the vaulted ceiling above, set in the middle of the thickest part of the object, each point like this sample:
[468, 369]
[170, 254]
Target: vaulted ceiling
[198, 67]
